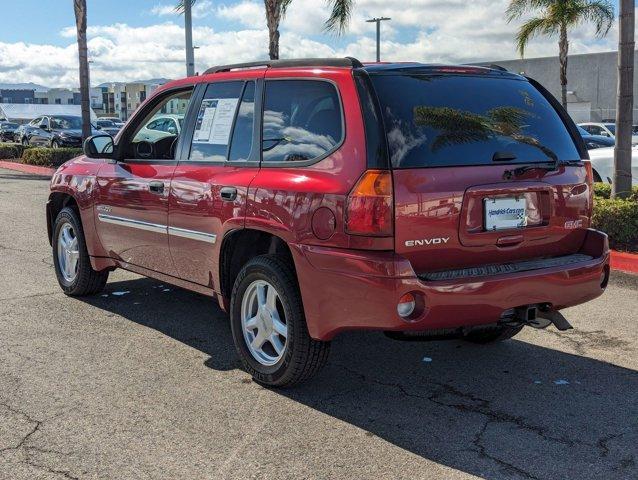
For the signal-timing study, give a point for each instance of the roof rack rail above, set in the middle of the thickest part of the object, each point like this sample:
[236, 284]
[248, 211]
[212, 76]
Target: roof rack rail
[301, 62]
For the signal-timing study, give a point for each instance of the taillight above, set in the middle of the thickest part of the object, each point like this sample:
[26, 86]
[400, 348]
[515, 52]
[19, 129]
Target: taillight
[369, 206]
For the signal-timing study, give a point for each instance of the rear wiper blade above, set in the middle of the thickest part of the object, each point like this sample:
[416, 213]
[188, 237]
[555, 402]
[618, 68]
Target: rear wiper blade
[547, 166]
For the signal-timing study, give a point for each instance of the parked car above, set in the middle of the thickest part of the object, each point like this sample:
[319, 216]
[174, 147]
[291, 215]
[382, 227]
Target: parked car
[602, 160]
[116, 121]
[19, 133]
[595, 141]
[605, 130]
[161, 126]
[311, 197]
[54, 131]
[107, 126]
[7, 130]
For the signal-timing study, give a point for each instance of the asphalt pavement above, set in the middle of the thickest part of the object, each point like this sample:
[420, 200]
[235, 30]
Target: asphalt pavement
[142, 381]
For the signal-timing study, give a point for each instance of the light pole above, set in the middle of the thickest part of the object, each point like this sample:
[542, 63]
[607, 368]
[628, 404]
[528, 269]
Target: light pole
[188, 27]
[378, 22]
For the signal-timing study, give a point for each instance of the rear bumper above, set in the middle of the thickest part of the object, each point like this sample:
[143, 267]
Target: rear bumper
[348, 290]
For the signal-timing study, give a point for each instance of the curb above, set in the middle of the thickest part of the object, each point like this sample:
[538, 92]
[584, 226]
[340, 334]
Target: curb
[21, 167]
[625, 262]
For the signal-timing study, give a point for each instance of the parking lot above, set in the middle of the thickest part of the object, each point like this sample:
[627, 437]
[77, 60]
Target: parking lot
[143, 382]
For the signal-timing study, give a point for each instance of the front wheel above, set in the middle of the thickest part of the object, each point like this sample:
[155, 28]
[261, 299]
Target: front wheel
[269, 327]
[71, 258]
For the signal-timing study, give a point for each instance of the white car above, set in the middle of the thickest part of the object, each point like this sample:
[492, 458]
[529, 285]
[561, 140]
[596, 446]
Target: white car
[602, 162]
[160, 126]
[607, 129]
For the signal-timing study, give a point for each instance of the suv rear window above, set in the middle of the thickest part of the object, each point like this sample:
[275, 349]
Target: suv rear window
[445, 120]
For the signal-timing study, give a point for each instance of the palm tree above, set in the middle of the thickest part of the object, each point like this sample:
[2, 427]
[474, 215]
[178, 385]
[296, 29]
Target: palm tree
[276, 10]
[625, 100]
[557, 17]
[79, 7]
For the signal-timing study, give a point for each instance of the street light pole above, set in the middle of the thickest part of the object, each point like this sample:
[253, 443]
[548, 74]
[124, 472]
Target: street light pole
[188, 24]
[378, 21]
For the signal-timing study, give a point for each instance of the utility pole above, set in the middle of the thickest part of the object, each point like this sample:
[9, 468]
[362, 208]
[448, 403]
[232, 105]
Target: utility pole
[378, 22]
[188, 27]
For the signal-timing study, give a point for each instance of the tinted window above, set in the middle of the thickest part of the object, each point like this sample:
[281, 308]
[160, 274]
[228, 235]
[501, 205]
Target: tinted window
[66, 123]
[242, 140]
[215, 120]
[447, 120]
[302, 120]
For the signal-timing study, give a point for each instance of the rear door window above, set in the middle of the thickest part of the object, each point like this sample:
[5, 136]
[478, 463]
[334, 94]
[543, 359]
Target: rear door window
[446, 120]
[302, 120]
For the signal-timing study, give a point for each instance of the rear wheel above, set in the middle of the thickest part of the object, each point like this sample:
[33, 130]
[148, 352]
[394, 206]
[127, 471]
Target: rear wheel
[269, 327]
[491, 335]
[71, 259]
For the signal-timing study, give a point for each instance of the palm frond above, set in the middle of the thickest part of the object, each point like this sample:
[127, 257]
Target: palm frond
[529, 30]
[284, 4]
[600, 13]
[339, 17]
[180, 5]
[517, 8]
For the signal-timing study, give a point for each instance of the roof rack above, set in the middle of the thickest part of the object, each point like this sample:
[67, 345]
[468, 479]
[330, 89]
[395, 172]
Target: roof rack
[301, 62]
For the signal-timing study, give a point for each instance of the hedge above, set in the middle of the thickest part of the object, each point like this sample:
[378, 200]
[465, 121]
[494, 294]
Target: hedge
[10, 150]
[603, 190]
[49, 157]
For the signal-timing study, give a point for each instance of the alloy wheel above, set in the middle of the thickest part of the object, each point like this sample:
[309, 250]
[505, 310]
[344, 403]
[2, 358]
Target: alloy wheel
[68, 252]
[264, 323]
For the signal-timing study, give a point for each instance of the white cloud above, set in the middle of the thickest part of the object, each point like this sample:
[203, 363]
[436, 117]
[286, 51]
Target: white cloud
[445, 31]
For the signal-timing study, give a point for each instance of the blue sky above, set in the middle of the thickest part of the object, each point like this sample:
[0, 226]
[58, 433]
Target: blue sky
[133, 39]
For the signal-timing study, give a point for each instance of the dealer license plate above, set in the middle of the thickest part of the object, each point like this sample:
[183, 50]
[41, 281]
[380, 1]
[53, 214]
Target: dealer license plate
[505, 213]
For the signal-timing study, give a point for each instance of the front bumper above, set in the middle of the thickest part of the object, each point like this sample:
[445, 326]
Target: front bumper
[348, 290]
[69, 141]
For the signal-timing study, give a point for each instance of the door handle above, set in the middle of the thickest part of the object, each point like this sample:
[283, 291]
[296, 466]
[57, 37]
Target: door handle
[156, 187]
[228, 194]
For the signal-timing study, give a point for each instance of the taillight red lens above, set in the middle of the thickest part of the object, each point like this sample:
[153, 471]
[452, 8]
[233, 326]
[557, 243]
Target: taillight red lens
[369, 209]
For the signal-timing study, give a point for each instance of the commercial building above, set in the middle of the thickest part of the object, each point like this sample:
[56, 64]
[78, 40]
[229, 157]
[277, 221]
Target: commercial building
[592, 82]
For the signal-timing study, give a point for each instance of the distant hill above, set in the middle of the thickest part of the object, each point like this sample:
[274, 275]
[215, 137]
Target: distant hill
[24, 86]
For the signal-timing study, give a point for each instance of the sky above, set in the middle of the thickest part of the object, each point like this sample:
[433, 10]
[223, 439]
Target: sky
[141, 39]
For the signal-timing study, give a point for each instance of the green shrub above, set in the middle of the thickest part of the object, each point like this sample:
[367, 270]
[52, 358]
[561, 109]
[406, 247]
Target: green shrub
[10, 150]
[603, 190]
[49, 157]
[618, 219]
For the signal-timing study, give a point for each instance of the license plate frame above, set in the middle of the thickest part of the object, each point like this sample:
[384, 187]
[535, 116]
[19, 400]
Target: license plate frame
[504, 213]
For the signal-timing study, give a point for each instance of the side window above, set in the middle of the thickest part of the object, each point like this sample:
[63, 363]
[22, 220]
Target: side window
[302, 120]
[215, 121]
[154, 125]
[595, 130]
[242, 141]
[36, 122]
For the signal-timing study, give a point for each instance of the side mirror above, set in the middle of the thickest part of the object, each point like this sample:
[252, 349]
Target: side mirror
[99, 146]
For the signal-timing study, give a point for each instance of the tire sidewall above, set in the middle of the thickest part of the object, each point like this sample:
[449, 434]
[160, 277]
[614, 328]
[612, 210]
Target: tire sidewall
[67, 215]
[260, 270]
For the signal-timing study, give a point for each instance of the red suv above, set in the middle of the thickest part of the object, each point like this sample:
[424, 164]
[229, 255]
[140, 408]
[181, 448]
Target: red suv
[316, 196]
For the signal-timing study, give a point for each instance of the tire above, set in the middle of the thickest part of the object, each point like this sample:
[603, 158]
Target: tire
[301, 357]
[85, 280]
[492, 335]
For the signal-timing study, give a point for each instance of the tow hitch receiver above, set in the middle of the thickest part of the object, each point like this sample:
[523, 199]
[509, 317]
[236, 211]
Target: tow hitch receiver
[539, 316]
[556, 318]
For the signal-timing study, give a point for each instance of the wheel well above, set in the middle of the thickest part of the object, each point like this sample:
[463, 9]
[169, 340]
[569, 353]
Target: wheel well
[241, 246]
[58, 201]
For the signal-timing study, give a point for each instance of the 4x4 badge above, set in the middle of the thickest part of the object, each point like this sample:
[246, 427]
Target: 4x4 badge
[426, 241]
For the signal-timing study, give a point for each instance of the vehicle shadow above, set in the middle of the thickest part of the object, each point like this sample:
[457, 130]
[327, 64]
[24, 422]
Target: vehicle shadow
[511, 410]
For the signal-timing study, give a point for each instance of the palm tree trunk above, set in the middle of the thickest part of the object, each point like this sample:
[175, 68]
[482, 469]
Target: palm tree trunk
[625, 101]
[563, 47]
[80, 22]
[273, 15]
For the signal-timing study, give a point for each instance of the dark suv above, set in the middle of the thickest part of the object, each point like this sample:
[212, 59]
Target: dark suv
[54, 131]
[316, 196]
[7, 130]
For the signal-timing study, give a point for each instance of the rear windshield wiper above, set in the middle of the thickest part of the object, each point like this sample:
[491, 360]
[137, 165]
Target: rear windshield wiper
[547, 166]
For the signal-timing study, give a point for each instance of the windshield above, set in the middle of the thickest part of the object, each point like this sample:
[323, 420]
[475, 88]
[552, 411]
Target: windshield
[66, 123]
[443, 120]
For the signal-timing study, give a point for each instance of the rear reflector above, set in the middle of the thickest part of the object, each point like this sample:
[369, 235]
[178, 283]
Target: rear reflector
[406, 305]
[369, 206]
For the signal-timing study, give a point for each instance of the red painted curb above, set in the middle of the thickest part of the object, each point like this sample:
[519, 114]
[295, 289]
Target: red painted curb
[21, 167]
[625, 262]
